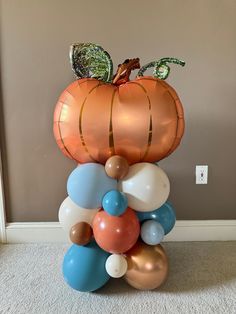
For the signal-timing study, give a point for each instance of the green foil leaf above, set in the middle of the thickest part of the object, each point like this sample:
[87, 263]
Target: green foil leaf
[91, 60]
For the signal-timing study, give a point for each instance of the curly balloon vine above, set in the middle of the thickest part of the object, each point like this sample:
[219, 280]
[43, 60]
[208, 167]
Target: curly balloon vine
[161, 69]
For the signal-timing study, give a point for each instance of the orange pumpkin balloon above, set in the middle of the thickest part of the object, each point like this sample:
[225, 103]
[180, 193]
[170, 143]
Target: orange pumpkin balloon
[141, 120]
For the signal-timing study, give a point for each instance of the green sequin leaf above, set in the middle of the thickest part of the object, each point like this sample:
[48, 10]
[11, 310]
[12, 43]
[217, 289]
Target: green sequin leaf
[91, 60]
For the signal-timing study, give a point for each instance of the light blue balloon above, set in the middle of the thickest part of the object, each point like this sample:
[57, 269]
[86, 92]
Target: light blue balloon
[115, 203]
[87, 185]
[165, 215]
[84, 267]
[152, 232]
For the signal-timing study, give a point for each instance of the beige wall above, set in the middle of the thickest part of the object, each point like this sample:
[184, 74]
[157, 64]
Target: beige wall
[35, 37]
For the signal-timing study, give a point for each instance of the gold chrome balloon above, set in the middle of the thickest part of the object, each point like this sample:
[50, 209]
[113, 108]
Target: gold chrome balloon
[147, 266]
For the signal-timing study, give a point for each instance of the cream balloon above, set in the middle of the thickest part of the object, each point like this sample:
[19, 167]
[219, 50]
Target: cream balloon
[116, 265]
[70, 214]
[146, 186]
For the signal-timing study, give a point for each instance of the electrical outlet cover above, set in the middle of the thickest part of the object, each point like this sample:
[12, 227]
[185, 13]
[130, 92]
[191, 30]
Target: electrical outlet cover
[201, 174]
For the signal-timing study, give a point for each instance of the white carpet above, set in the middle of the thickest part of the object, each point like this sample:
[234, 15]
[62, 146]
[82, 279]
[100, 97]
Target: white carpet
[202, 279]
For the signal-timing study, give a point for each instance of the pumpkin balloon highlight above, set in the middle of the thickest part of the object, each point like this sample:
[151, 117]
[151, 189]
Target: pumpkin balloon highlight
[116, 234]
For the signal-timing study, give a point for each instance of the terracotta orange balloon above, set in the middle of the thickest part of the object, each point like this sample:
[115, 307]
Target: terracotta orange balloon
[116, 234]
[140, 120]
[147, 266]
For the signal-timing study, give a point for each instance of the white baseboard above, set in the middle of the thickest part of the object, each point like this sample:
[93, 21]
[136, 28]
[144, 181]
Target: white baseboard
[33, 232]
[184, 230]
[203, 230]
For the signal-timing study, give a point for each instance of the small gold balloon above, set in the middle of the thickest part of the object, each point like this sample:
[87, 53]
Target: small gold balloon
[81, 233]
[116, 167]
[147, 266]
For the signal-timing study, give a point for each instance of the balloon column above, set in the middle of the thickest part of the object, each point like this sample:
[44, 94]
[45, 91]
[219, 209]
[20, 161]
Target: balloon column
[116, 213]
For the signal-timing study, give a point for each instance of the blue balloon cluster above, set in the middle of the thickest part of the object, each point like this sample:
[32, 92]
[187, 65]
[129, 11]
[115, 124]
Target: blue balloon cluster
[157, 223]
[87, 185]
[165, 215]
[115, 203]
[152, 232]
[84, 267]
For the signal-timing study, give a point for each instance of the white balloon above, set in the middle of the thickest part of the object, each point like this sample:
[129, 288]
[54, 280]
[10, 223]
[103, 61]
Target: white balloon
[116, 265]
[70, 213]
[146, 186]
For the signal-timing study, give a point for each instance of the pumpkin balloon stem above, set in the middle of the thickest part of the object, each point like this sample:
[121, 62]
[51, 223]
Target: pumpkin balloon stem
[161, 69]
[124, 70]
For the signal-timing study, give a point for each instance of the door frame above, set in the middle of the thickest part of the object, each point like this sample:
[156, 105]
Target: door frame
[3, 236]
